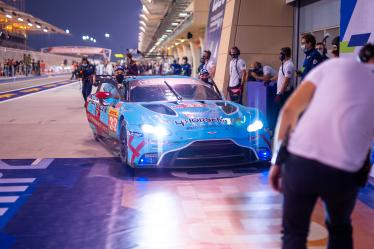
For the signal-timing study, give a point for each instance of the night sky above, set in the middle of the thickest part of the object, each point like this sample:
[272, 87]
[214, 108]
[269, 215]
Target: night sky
[119, 18]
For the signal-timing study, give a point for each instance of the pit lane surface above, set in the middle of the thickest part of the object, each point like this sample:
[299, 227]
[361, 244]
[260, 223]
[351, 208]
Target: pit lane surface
[61, 189]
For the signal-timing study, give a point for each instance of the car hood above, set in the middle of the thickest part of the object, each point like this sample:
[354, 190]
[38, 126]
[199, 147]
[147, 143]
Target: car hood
[195, 114]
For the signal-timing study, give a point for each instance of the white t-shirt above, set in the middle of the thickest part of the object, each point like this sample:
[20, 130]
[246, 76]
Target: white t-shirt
[287, 72]
[268, 70]
[236, 74]
[337, 129]
[209, 66]
[108, 69]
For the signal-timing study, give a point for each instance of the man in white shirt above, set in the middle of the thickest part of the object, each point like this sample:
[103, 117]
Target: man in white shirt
[264, 73]
[209, 64]
[108, 68]
[327, 149]
[238, 70]
[286, 75]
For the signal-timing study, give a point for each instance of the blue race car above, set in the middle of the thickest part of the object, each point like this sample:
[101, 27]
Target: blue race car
[176, 122]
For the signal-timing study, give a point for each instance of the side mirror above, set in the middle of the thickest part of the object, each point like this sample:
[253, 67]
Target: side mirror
[102, 95]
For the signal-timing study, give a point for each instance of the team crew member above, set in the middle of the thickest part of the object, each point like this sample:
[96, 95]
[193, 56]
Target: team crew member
[87, 72]
[186, 67]
[322, 50]
[312, 57]
[327, 148]
[209, 64]
[132, 68]
[259, 72]
[238, 75]
[120, 74]
[285, 79]
[176, 68]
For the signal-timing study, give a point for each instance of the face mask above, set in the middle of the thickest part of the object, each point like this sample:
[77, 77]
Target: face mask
[120, 78]
[202, 60]
[282, 57]
[234, 56]
[320, 51]
[84, 64]
[303, 47]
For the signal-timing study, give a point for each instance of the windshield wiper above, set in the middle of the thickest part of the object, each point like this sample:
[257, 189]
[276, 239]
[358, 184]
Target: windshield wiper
[179, 98]
[216, 89]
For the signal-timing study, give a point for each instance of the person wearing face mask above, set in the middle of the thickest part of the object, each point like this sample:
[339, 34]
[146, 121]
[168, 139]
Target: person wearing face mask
[186, 67]
[87, 72]
[335, 47]
[312, 57]
[202, 65]
[261, 72]
[238, 76]
[285, 79]
[209, 64]
[120, 74]
[204, 76]
[321, 48]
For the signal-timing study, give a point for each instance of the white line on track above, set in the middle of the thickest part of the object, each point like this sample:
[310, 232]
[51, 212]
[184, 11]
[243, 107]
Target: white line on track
[27, 95]
[17, 180]
[31, 80]
[2, 211]
[8, 199]
[13, 188]
[23, 88]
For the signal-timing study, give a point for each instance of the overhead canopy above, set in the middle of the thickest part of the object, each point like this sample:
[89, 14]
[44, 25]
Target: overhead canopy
[16, 21]
[79, 51]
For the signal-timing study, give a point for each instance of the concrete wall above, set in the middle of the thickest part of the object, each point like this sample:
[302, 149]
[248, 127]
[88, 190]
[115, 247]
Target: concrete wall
[259, 28]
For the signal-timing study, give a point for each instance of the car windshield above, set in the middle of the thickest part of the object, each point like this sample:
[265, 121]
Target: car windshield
[161, 92]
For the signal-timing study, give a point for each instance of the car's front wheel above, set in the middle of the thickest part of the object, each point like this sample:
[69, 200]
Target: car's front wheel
[123, 147]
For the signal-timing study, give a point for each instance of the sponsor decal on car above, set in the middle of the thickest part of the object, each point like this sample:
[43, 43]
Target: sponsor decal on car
[113, 119]
[194, 121]
[189, 105]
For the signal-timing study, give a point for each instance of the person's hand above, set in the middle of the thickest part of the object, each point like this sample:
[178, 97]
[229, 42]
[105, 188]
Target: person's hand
[275, 178]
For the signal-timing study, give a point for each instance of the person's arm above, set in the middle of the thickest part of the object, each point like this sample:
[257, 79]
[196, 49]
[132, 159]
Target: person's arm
[287, 121]
[212, 71]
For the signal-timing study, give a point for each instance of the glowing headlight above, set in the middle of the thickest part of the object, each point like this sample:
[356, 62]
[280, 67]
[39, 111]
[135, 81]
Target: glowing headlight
[158, 131]
[255, 126]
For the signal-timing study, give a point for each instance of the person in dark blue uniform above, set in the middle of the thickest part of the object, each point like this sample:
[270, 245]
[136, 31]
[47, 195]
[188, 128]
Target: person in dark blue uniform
[87, 72]
[312, 56]
[322, 50]
[186, 67]
[176, 68]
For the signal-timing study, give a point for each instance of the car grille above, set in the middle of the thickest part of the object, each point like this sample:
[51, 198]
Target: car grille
[212, 153]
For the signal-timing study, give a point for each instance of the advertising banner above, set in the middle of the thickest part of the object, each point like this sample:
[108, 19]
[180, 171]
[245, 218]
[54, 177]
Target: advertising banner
[214, 27]
[356, 25]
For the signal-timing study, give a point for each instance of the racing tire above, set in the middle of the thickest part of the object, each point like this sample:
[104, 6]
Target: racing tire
[96, 137]
[123, 146]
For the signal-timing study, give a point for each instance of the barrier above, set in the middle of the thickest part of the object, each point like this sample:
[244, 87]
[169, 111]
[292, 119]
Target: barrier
[262, 97]
[51, 60]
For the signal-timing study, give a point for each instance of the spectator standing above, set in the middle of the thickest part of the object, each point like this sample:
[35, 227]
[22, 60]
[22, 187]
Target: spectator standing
[327, 148]
[176, 68]
[238, 75]
[209, 65]
[312, 57]
[186, 67]
[108, 68]
[321, 48]
[263, 73]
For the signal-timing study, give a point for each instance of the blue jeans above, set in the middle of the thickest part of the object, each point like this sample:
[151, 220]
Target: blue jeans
[304, 181]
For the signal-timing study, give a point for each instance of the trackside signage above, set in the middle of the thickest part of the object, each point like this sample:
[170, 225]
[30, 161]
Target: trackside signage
[214, 27]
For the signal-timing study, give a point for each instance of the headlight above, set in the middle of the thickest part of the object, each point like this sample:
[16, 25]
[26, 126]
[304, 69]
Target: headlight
[255, 126]
[158, 131]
